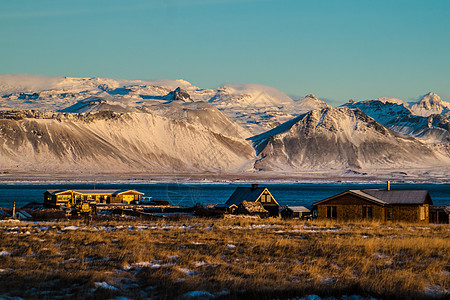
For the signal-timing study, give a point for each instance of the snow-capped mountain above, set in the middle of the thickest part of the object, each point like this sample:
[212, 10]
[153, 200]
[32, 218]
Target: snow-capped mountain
[339, 138]
[308, 103]
[398, 116]
[255, 107]
[113, 142]
[430, 104]
[114, 125]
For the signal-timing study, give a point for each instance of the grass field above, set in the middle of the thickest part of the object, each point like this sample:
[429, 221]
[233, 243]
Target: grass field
[237, 258]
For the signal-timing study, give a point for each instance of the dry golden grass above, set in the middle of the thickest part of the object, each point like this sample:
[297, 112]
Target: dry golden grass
[231, 258]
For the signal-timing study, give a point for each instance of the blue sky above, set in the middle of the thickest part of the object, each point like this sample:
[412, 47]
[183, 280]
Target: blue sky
[334, 49]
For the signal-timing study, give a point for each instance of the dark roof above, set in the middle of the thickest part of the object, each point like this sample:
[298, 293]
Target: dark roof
[244, 194]
[386, 197]
[400, 196]
[295, 208]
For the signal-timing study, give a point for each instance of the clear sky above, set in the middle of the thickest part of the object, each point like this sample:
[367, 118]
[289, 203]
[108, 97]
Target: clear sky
[334, 49]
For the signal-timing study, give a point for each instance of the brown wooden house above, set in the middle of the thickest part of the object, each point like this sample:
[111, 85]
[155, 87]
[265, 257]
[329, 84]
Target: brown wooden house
[253, 194]
[376, 205]
[55, 198]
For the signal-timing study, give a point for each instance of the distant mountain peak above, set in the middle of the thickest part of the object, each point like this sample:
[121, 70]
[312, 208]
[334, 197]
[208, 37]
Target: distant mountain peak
[310, 102]
[178, 95]
[430, 98]
[311, 96]
[430, 104]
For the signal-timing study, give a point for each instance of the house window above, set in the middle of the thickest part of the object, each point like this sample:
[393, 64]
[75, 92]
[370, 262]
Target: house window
[64, 198]
[331, 212]
[422, 213]
[389, 213]
[367, 212]
[265, 198]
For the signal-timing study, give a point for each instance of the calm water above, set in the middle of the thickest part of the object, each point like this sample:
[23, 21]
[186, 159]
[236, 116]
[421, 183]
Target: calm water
[190, 194]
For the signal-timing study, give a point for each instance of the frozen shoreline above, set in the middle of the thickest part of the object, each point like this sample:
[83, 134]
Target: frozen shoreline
[319, 177]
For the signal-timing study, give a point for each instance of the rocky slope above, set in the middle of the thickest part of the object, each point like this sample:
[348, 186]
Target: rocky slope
[420, 123]
[113, 142]
[339, 138]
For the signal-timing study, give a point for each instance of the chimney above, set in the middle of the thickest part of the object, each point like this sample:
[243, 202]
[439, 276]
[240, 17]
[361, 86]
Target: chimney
[388, 185]
[254, 186]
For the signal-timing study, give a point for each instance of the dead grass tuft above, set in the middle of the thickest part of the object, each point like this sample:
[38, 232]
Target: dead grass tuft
[240, 258]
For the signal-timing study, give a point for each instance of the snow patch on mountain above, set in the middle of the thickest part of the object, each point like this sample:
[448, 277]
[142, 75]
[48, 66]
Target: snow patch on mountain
[430, 104]
[258, 94]
[308, 103]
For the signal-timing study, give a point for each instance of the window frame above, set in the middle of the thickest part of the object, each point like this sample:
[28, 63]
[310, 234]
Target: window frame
[389, 213]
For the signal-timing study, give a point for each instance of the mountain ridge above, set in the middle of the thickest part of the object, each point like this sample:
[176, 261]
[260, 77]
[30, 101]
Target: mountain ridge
[247, 128]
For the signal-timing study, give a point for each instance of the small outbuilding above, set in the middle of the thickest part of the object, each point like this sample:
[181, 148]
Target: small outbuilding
[253, 194]
[440, 214]
[252, 209]
[300, 212]
[376, 205]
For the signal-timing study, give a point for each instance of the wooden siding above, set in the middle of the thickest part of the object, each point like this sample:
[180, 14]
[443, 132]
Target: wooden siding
[350, 208]
[410, 213]
[345, 212]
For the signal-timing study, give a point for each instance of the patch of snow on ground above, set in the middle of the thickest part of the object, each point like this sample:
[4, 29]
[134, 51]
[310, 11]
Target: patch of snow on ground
[3, 253]
[200, 263]
[188, 272]
[70, 228]
[436, 291]
[328, 280]
[381, 255]
[198, 294]
[231, 246]
[105, 285]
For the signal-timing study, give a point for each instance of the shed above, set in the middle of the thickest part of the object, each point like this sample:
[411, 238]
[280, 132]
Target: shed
[376, 205]
[294, 212]
[440, 214]
[252, 209]
[254, 194]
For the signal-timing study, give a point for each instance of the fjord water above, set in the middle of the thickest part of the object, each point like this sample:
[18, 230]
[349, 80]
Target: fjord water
[191, 194]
